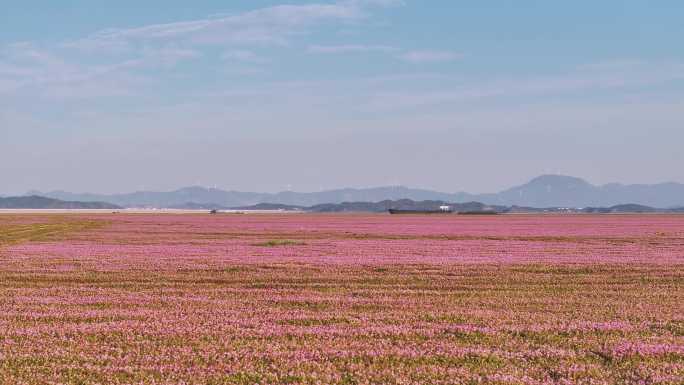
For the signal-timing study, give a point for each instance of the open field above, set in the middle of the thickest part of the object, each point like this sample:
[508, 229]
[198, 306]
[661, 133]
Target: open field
[341, 299]
[135, 211]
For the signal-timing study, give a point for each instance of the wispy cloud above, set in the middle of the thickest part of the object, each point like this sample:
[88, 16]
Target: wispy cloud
[418, 57]
[243, 56]
[43, 72]
[350, 48]
[270, 25]
[165, 45]
[377, 3]
[595, 79]
[168, 55]
[415, 57]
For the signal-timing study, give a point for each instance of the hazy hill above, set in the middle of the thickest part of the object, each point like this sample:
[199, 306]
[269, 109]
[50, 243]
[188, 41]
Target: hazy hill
[378, 207]
[543, 191]
[197, 206]
[270, 206]
[201, 195]
[566, 191]
[38, 202]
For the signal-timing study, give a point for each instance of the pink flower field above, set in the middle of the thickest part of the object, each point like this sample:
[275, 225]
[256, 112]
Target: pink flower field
[341, 299]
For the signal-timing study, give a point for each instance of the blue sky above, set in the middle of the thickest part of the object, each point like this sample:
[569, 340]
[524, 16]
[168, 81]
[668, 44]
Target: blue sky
[261, 95]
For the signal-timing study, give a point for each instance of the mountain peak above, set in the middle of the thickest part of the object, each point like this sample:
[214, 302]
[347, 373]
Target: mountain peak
[560, 180]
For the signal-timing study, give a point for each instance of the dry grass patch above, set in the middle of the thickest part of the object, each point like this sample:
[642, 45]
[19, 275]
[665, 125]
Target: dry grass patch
[11, 234]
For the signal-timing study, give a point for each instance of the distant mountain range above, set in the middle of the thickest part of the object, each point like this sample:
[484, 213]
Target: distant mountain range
[189, 197]
[467, 207]
[543, 191]
[38, 202]
[378, 207]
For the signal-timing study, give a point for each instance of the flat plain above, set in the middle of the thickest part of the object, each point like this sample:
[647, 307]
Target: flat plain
[341, 299]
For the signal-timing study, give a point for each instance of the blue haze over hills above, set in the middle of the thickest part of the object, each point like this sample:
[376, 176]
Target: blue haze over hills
[543, 191]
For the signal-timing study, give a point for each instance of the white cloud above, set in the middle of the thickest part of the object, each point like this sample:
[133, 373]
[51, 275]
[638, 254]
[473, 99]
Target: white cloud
[418, 57]
[350, 48]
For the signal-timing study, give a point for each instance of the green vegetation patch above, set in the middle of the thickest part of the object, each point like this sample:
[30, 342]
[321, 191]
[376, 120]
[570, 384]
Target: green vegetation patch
[280, 242]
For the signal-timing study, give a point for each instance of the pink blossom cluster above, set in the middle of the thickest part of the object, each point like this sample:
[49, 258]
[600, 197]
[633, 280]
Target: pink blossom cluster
[167, 243]
[345, 299]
